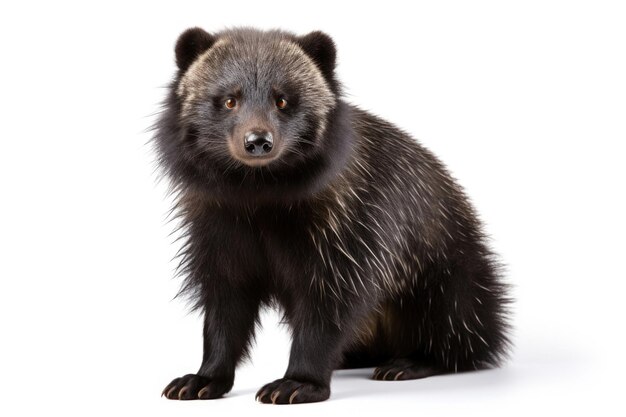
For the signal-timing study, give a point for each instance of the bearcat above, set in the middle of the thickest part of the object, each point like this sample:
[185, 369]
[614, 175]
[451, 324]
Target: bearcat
[290, 197]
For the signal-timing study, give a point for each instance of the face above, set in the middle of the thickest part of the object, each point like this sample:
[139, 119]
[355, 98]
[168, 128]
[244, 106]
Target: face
[254, 100]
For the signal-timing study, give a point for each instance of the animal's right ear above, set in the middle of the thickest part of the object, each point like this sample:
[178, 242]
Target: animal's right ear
[190, 44]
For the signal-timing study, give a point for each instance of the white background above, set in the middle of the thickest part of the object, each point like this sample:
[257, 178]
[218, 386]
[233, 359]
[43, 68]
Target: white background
[525, 102]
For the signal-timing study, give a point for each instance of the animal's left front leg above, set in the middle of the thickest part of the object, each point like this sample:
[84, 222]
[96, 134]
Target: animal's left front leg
[315, 351]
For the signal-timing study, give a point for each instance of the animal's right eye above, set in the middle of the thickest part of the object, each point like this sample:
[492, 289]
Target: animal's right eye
[281, 103]
[230, 103]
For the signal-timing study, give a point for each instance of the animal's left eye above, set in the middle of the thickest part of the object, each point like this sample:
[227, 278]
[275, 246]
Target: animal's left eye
[281, 103]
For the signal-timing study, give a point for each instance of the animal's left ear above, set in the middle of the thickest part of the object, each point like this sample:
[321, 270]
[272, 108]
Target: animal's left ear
[321, 49]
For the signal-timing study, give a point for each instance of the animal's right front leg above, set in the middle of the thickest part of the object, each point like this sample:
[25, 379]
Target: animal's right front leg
[229, 319]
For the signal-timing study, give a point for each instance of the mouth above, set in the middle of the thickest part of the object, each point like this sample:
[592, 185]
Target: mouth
[257, 161]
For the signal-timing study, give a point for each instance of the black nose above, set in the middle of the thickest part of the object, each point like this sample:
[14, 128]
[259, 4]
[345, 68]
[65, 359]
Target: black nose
[258, 143]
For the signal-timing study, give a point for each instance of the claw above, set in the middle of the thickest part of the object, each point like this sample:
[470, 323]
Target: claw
[181, 392]
[169, 387]
[274, 396]
[167, 395]
[398, 375]
[203, 391]
[259, 397]
[385, 376]
[293, 396]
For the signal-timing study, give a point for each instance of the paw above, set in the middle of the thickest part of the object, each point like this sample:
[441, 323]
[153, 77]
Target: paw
[289, 391]
[196, 387]
[402, 370]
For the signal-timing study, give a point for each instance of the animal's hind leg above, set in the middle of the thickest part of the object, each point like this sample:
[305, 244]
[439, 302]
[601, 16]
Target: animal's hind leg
[404, 369]
[455, 323]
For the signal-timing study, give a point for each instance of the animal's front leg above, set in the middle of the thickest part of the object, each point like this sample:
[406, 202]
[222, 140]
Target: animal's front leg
[315, 351]
[229, 319]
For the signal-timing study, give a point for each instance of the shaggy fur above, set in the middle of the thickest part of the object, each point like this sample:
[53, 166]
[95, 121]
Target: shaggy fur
[356, 231]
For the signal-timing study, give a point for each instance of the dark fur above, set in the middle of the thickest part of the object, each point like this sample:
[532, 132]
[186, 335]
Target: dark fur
[359, 234]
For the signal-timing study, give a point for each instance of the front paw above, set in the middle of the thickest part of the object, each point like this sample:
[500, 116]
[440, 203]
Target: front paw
[196, 387]
[290, 391]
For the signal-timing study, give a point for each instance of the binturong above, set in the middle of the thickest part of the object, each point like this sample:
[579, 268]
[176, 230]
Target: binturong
[289, 197]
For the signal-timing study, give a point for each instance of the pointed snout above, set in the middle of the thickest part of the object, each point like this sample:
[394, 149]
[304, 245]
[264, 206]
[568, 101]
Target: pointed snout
[255, 144]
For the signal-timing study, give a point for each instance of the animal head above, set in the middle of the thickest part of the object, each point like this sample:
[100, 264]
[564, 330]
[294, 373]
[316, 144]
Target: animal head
[246, 103]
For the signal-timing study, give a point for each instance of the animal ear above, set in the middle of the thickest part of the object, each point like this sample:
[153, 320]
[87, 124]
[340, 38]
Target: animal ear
[190, 44]
[321, 48]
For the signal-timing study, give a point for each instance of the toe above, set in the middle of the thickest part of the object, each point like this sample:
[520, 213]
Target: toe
[193, 387]
[274, 396]
[402, 370]
[292, 397]
[260, 396]
[388, 373]
[287, 391]
[169, 387]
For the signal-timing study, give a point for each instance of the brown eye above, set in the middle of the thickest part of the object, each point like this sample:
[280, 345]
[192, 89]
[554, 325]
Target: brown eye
[230, 103]
[281, 103]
